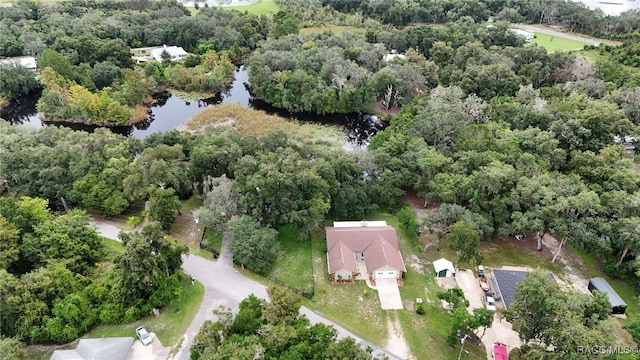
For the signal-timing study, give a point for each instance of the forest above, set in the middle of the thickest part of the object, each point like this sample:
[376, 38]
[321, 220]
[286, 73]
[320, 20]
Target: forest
[502, 137]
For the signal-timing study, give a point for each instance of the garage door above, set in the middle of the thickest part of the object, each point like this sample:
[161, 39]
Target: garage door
[385, 274]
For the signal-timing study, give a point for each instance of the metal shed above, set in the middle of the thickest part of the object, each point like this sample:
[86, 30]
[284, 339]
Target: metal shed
[618, 306]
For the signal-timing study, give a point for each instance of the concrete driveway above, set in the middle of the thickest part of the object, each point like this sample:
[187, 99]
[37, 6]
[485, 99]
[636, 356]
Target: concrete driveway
[389, 294]
[153, 351]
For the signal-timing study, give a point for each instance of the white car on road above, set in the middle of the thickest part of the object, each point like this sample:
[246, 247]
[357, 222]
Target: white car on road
[144, 335]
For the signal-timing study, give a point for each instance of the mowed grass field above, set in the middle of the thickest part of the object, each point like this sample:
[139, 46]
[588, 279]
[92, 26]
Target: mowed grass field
[262, 7]
[555, 43]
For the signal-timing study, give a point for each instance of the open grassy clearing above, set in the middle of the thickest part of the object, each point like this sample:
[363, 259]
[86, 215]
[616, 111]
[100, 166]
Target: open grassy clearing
[249, 122]
[112, 248]
[556, 43]
[294, 264]
[172, 322]
[263, 7]
[213, 238]
[336, 29]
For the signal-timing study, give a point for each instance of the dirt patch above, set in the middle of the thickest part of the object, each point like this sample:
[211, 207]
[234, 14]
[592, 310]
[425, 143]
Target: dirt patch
[408, 304]
[416, 264]
[378, 108]
[396, 344]
[446, 283]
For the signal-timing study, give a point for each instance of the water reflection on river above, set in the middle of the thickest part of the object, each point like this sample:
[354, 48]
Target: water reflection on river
[169, 112]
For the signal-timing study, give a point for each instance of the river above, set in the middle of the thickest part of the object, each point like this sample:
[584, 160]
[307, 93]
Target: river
[170, 111]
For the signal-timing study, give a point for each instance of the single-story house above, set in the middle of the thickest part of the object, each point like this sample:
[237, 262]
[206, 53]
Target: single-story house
[618, 306]
[176, 53]
[357, 247]
[444, 268]
[115, 348]
[27, 61]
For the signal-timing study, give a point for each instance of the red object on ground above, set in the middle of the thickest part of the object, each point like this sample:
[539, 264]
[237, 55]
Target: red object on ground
[500, 351]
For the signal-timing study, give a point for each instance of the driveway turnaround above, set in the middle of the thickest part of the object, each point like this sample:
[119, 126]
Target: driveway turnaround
[389, 294]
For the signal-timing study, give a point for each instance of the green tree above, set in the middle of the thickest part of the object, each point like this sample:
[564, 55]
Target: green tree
[454, 297]
[220, 202]
[104, 73]
[16, 80]
[465, 240]
[9, 243]
[544, 313]
[253, 246]
[147, 263]
[285, 23]
[68, 237]
[12, 349]
[164, 206]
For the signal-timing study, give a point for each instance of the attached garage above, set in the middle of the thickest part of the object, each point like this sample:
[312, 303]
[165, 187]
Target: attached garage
[386, 274]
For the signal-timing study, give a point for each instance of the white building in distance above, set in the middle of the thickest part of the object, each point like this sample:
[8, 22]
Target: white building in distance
[176, 53]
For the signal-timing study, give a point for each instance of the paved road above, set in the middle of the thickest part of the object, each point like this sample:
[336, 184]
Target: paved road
[225, 286]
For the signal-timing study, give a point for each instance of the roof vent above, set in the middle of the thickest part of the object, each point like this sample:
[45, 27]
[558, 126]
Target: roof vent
[364, 223]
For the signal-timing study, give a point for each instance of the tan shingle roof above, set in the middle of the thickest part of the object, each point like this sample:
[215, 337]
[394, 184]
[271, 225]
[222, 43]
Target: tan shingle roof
[378, 243]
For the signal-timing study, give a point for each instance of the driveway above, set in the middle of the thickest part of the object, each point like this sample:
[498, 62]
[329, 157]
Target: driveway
[153, 351]
[225, 286]
[467, 281]
[389, 294]
[500, 330]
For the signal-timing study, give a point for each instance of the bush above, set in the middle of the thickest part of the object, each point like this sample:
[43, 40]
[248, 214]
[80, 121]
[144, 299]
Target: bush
[407, 219]
[633, 327]
[420, 309]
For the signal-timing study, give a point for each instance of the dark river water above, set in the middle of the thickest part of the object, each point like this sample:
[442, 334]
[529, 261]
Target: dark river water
[169, 111]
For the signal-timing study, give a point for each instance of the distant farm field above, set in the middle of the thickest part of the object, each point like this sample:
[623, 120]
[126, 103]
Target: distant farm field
[263, 7]
[555, 43]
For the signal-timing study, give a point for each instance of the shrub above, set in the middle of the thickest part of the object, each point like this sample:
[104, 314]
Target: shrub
[407, 219]
[420, 309]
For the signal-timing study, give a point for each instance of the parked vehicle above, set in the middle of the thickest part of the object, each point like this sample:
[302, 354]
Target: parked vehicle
[499, 351]
[490, 303]
[144, 335]
[481, 271]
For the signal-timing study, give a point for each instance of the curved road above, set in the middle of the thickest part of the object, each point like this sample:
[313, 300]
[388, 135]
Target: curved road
[225, 286]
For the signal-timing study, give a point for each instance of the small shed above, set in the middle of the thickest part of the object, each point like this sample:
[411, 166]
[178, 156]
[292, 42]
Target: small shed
[444, 268]
[618, 306]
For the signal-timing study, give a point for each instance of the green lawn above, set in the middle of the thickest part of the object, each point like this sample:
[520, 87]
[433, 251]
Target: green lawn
[336, 29]
[172, 322]
[112, 248]
[594, 269]
[555, 43]
[294, 265]
[192, 203]
[263, 7]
